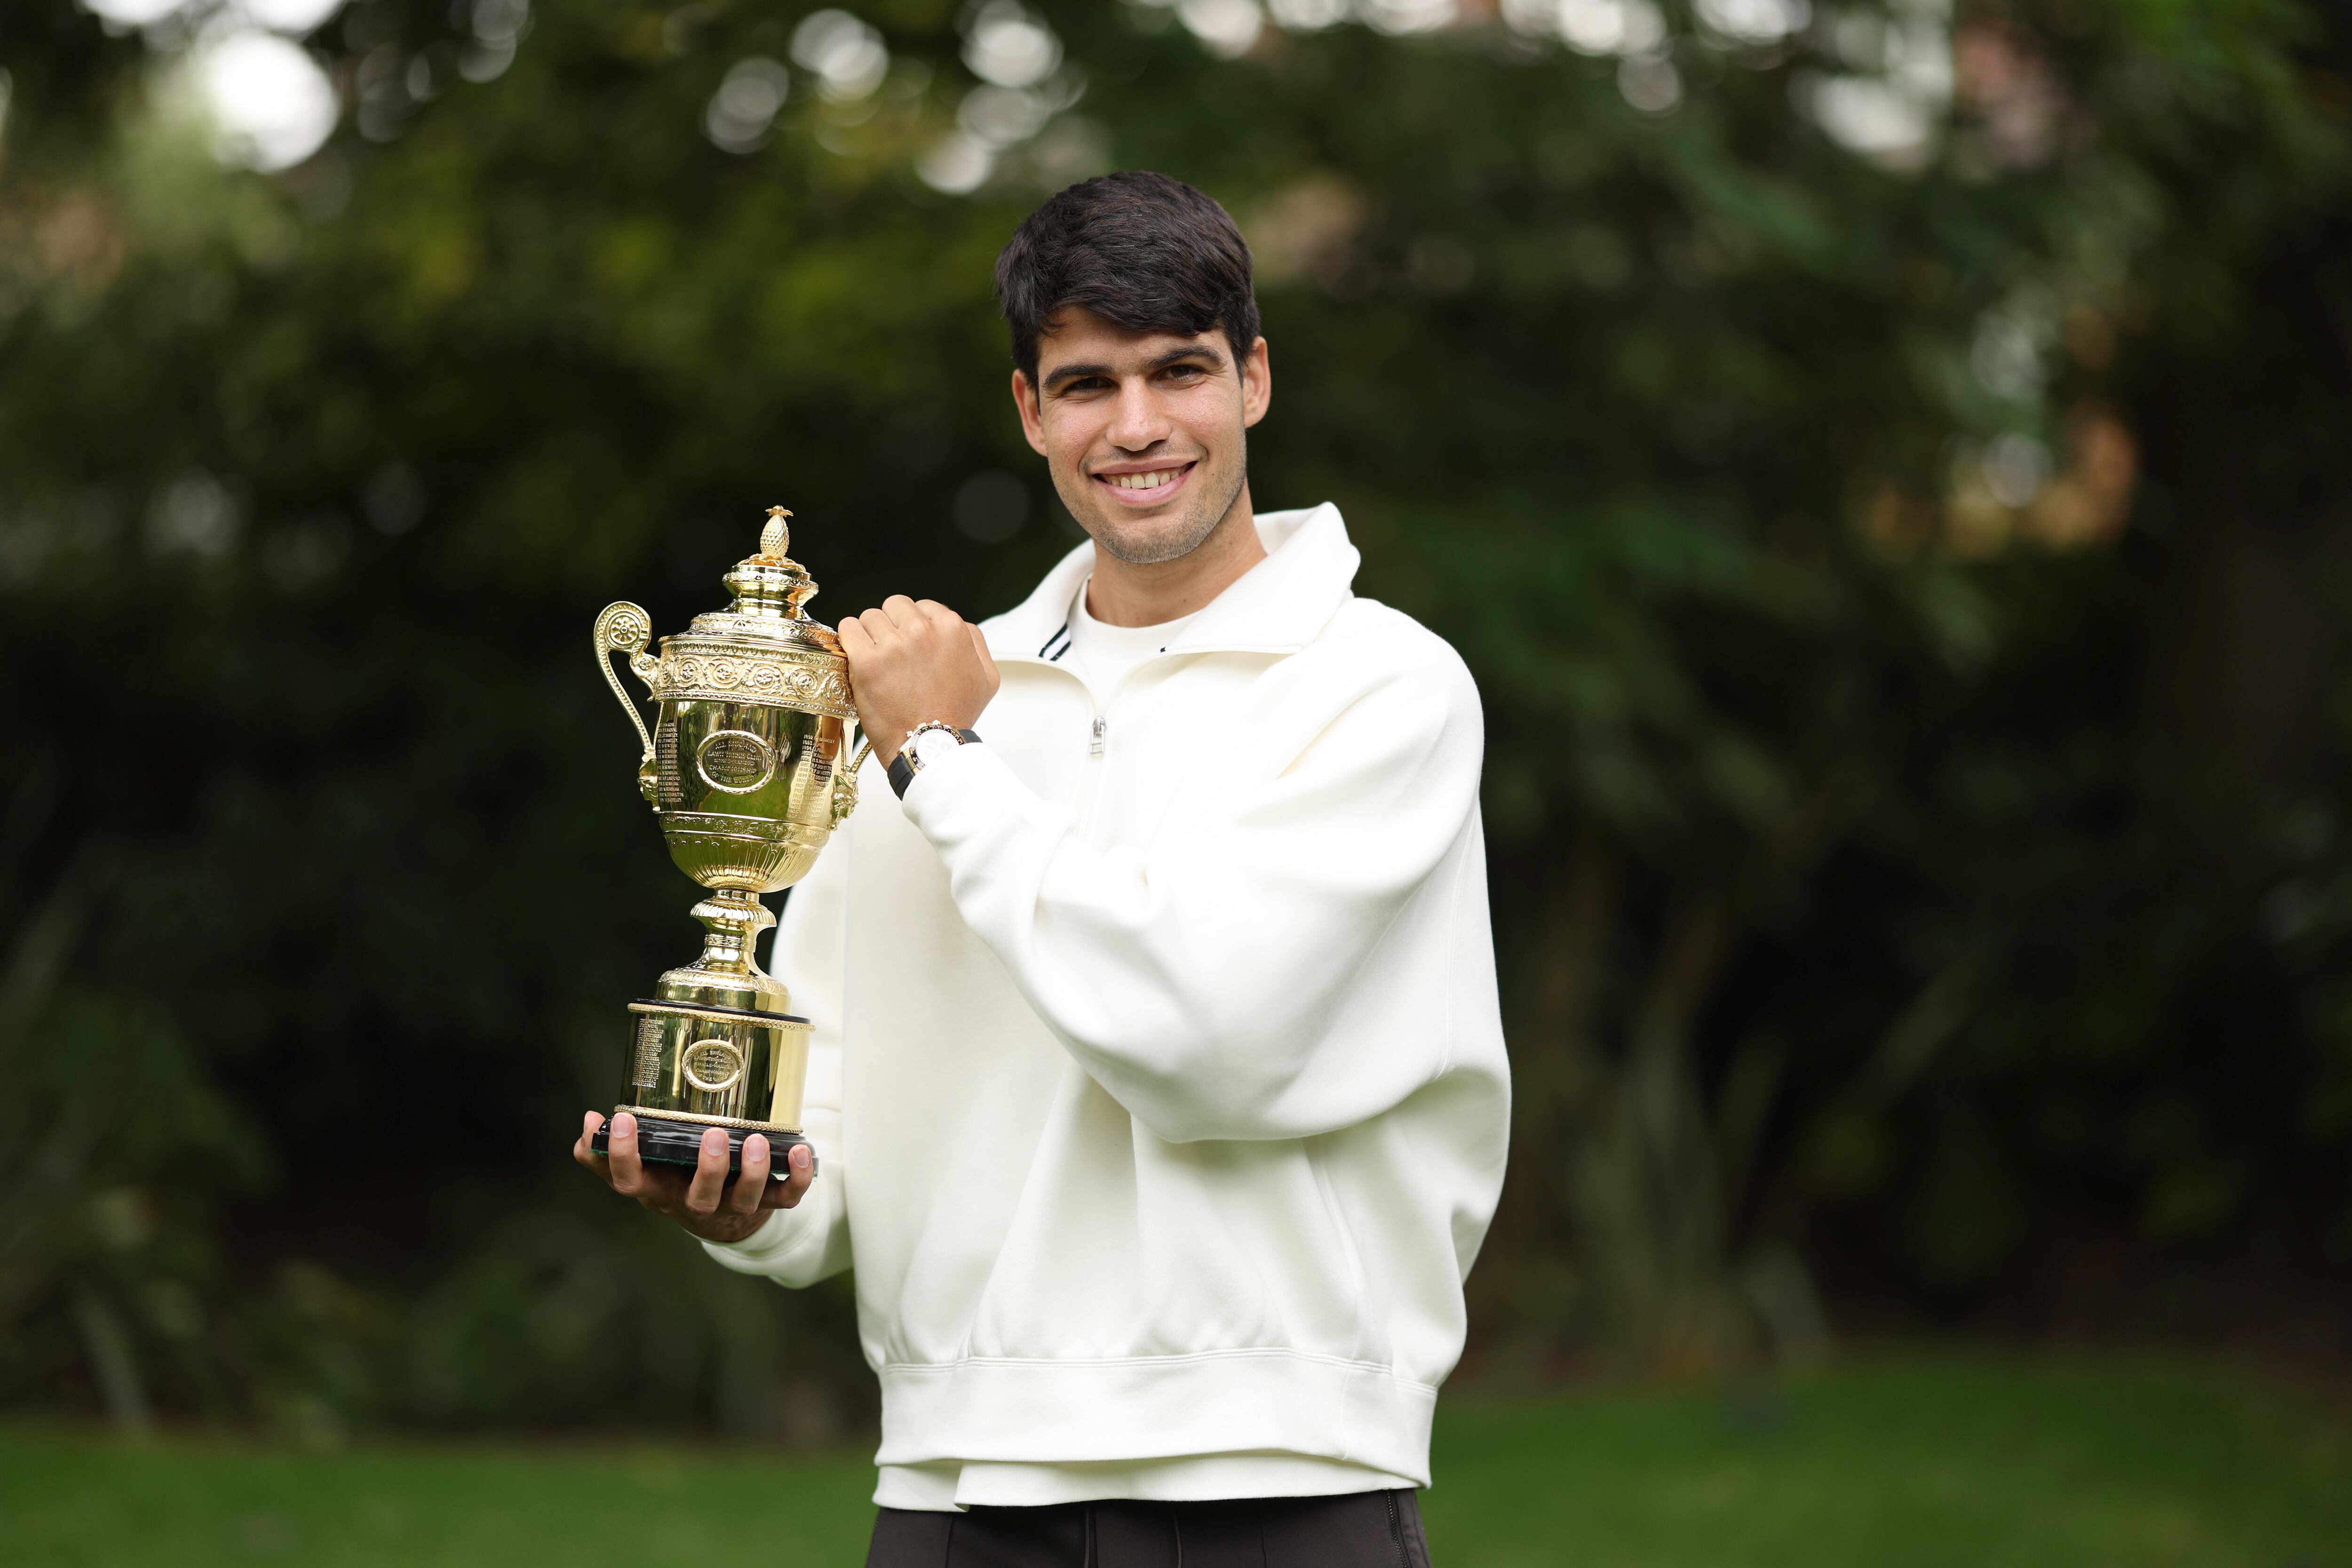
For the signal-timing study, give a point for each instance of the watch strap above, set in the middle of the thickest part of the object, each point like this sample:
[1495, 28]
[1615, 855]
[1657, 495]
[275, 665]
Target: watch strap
[902, 771]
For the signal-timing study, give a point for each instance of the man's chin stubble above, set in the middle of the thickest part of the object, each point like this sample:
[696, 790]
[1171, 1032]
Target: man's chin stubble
[1153, 547]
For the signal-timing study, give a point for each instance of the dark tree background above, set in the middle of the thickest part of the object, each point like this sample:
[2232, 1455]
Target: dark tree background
[1886, 468]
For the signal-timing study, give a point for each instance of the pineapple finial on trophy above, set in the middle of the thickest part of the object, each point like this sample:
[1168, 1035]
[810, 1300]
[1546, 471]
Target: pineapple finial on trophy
[776, 539]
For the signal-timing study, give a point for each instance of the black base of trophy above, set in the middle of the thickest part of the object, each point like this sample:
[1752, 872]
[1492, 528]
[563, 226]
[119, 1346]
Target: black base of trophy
[665, 1142]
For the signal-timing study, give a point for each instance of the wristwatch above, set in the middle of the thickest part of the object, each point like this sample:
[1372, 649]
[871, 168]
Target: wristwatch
[926, 744]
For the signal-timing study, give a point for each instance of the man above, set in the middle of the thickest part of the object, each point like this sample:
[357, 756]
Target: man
[1158, 1074]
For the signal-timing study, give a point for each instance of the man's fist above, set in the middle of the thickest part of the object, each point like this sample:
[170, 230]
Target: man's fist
[913, 664]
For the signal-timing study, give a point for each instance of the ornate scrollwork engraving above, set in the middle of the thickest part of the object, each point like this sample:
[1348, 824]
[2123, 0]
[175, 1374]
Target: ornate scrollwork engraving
[752, 678]
[759, 829]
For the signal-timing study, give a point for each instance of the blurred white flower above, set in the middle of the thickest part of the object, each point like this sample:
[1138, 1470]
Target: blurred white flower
[743, 110]
[956, 164]
[194, 513]
[1650, 83]
[1225, 27]
[1009, 47]
[1590, 26]
[295, 16]
[1309, 16]
[1868, 114]
[269, 104]
[2015, 468]
[128, 13]
[1891, 117]
[1919, 60]
[998, 117]
[1403, 17]
[500, 21]
[848, 56]
[1754, 21]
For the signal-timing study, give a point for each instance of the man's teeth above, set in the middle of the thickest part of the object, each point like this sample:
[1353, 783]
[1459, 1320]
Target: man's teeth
[1150, 481]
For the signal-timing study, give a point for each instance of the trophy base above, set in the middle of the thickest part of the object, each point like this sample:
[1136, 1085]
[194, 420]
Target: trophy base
[667, 1142]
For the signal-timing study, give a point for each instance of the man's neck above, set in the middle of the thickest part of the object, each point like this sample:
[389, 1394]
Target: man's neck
[1120, 594]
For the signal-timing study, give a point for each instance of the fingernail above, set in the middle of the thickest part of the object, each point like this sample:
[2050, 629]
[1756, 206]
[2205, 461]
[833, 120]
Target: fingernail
[625, 1125]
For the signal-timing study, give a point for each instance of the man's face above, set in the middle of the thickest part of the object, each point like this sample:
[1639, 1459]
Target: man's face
[1143, 432]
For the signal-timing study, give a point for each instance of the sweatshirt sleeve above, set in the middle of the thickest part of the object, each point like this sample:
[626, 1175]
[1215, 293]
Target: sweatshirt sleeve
[1199, 979]
[803, 1245]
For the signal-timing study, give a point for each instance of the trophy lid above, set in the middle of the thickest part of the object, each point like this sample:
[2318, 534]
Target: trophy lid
[770, 589]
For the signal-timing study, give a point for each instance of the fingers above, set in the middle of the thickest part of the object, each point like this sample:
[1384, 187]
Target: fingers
[583, 1151]
[744, 1197]
[855, 640]
[709, 1182]
[712, 1193]
[627, 1174]
[787, 1194]
[899, 618]
[912, 618]
[888, 625]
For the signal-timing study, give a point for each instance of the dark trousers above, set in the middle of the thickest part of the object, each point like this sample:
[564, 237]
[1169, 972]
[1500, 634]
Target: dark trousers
[1361, 1529]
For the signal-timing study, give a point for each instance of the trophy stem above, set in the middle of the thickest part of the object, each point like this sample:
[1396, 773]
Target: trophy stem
[732, 920]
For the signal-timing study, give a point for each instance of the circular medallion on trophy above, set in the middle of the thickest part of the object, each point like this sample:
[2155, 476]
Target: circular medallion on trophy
[735, 760]
[713, 1065]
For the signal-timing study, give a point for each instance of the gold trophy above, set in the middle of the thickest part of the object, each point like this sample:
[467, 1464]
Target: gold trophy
[744, 767]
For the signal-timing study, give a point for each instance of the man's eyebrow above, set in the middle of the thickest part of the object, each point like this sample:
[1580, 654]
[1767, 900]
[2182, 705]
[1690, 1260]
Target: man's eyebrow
[1074, 373]
[1067, 372]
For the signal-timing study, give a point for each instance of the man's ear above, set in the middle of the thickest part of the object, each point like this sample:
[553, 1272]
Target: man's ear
[1257, 383]
[1032, 417]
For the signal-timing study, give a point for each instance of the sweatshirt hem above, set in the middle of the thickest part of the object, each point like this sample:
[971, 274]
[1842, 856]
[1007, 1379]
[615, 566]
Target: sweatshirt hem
[1008, 1410]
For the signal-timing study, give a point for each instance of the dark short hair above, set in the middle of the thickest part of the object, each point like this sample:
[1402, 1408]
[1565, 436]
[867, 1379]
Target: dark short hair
[1146, 253]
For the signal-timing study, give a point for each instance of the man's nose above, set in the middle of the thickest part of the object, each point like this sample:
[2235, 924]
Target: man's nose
[1138, 421]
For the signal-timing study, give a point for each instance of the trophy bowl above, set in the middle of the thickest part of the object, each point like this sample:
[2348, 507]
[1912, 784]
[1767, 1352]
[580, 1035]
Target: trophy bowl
[748, 768]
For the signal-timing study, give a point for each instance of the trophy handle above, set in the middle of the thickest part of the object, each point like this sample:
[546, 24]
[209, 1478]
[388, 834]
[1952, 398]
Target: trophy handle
[845, 783]
[623, 627]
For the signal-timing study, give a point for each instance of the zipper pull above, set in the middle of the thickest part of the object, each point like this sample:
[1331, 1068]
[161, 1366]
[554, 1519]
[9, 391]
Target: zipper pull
[1095, 746]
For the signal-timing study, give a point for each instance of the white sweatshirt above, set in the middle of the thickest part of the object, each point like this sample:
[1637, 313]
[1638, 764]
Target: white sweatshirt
[1157, 1081]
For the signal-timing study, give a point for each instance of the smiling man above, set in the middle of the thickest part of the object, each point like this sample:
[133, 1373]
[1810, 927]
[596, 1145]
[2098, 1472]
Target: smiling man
[1158, 1074]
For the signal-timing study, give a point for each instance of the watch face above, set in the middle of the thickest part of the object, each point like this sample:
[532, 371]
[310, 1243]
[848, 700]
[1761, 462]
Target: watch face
[933, 744]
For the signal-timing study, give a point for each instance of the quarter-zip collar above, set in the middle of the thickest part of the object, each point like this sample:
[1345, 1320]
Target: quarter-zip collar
[1278, 606]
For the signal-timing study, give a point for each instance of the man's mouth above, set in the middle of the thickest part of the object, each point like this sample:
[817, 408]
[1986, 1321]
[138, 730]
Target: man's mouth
[1146, 485]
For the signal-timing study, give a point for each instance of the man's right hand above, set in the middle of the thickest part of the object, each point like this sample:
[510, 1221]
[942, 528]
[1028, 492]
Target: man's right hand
[706, 1202]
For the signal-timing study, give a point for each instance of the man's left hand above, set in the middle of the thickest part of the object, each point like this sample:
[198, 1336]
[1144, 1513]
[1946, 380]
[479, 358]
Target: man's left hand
[915, 663]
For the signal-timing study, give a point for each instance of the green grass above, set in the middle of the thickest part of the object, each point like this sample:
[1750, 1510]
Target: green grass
[1910, 1462]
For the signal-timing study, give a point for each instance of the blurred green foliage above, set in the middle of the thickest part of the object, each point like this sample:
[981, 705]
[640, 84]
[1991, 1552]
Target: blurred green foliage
[1904, 589]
